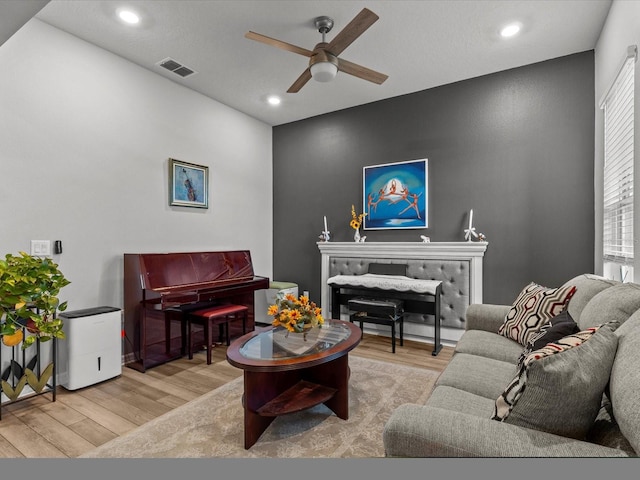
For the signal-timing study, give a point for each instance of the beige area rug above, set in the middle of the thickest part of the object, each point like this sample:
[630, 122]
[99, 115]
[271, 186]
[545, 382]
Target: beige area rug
[212, 425]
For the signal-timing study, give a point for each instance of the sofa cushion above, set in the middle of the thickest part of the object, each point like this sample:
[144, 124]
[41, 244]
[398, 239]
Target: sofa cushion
[490, 345]
[424, 431]
[630, 325]
[559, 387]
[616, 303]
[605, 430]
[450, 398]
[625, 385]
[532, 308]
[587, 286]
[558, 327]
[478, 375]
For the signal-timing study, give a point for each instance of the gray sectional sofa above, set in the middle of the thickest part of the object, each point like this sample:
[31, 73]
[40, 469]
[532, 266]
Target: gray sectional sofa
[456, 420]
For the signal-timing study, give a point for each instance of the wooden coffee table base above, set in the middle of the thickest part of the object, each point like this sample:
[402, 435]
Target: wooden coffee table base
[269, 394]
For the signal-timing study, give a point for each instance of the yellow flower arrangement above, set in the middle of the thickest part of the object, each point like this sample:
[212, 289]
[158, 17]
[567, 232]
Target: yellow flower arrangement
[356, 220]
[296, 315]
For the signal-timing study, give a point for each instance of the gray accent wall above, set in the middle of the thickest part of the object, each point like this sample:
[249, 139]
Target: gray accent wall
[517, 147]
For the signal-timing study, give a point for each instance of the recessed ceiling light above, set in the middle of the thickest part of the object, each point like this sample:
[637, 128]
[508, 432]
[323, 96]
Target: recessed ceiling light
[128, 16]
[510, 30]
[273, 100]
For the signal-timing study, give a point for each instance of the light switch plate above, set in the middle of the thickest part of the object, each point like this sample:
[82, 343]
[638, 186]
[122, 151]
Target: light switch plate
[41, 248]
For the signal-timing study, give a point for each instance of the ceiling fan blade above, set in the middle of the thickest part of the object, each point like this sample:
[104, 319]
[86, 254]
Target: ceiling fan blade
[278, 43]
[353, 30]
[300, 81]
[361, 72]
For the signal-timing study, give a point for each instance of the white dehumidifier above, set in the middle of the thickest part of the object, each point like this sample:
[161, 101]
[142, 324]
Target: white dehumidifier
[264, 298]
[92, 349]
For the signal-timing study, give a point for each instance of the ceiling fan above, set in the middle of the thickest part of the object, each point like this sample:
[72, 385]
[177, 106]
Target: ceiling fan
[324, 62]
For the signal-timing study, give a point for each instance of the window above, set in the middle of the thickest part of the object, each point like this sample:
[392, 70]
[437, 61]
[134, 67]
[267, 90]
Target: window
[618, 106]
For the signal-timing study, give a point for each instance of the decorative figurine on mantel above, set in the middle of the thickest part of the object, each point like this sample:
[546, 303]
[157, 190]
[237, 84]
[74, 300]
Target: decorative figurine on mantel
[425, 239]
[325, 233]
[471, 231]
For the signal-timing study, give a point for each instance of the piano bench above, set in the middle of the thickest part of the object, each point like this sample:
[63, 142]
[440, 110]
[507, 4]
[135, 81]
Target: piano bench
[216, 315]
[380, 312]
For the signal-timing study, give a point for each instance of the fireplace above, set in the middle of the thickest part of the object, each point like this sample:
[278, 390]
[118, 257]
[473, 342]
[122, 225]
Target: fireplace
[457, 264]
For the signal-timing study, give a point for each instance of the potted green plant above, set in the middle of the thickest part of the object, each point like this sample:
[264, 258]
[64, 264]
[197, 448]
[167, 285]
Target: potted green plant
[29, 288]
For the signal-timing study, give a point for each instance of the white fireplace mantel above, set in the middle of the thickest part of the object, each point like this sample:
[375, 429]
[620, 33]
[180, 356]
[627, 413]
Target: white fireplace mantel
[469, 251]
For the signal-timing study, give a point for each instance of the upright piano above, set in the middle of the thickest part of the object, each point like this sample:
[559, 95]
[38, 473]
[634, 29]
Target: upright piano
[160, 287]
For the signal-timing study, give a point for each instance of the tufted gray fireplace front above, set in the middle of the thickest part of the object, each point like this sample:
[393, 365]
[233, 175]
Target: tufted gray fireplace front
[458, 265]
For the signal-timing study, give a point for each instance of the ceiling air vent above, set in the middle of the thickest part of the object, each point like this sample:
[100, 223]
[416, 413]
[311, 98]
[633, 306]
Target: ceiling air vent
[175, 67]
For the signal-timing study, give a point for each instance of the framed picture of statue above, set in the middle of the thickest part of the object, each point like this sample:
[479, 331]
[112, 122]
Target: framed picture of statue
[188, 184]
[395, 195]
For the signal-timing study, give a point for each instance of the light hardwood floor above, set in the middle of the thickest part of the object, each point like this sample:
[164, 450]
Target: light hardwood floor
[80, 420]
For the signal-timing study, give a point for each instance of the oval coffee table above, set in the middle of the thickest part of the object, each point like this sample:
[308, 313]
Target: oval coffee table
[285, 373]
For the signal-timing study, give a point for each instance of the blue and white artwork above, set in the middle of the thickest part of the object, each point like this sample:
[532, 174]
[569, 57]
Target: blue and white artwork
[188, 184]
[395, 195]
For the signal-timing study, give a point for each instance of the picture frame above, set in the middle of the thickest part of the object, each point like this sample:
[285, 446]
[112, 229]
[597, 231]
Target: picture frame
[395, 195]
[188, 184]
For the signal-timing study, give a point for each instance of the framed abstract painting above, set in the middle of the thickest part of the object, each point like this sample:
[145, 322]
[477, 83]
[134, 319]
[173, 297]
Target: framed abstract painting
[188, 184]
[395, 195]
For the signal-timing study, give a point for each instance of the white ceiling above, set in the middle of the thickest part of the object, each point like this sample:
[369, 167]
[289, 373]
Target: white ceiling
[419, 44]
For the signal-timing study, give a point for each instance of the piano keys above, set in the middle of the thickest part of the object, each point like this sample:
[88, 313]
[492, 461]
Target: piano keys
[160, 287]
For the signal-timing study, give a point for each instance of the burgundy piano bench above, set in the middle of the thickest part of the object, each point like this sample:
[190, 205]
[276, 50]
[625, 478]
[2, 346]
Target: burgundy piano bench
[381, 312]
[216, 315]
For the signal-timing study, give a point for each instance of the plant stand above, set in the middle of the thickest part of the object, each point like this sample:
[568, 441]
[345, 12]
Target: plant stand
[23, 373]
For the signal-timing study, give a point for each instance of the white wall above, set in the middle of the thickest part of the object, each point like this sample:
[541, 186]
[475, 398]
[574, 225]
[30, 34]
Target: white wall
[85, 137]
[621, 29]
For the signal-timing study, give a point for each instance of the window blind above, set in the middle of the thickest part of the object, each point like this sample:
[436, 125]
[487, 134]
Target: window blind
[618, 108]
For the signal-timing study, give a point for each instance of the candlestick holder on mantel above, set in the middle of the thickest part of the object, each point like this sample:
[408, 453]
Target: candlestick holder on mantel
[325, 234]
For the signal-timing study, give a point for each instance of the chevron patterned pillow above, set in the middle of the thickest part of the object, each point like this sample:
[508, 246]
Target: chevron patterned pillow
[534, 307]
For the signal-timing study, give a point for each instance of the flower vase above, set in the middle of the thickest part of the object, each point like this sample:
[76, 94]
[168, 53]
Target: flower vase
[356, 235]
[305, 330]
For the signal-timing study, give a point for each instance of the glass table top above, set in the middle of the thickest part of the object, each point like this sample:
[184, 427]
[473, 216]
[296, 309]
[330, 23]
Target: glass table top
[278, 343]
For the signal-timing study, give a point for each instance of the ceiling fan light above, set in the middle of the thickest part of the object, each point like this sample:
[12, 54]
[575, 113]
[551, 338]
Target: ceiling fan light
[323, 71]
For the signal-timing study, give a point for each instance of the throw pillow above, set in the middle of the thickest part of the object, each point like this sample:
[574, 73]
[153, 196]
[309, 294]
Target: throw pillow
[533, 307]
[559, 387]
[558, 327]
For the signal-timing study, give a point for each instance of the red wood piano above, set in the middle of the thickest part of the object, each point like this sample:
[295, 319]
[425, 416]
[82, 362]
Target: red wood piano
[160, 287]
